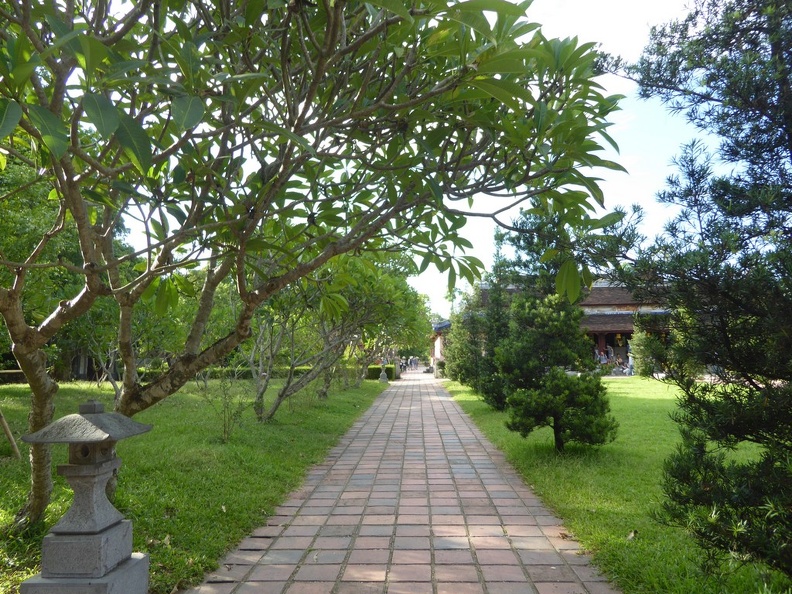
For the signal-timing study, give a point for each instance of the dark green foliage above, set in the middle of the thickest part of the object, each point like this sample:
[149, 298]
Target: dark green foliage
[543, 333]
[374, 372]
[491, 384]
[575, 406]
[541, 251]
[724, 268]
[647, 347]
[545, 341]
[462, 346]
[475, 334]
[492, 387]
[743, 507]
[514, 341]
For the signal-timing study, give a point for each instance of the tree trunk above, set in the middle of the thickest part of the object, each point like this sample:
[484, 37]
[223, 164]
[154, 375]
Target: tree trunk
[327, 381]
[558, 435]
[42, 410]
[292, 386]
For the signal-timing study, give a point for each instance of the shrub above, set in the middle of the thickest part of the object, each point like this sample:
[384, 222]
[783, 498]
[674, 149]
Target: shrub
[545, 340]
[374, 372]
[575, 406]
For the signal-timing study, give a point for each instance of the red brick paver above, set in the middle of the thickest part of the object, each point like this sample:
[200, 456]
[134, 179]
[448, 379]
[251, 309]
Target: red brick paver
[413, 499]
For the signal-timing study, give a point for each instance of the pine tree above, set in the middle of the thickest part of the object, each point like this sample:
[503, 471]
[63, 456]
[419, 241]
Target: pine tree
[547, 371]
[724, 268]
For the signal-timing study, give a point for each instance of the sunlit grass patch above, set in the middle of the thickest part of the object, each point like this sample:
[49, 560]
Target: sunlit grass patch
[191, 497]
[608, 496]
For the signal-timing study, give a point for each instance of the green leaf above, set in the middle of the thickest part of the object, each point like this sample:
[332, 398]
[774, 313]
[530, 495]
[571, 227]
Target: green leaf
[397, 7]
[333, 305]
[177, 213]
[451, 279]
[498, 92]
[97, 197]
[424, 265]
[64, 36]
[92, 53]
[254, 10]
[52, 129]
[101, 113]
[283, 132]
[135, 142]
[179, 174]
[188, 111]
[568, 281]
[608, 220]
[549, 254]
[151, 290]
[126, 188]
[500, 6]
[22, 72]
[163, 299]
[167, 297]
[511, 62]
[184, 285]
[259, 245]
[588, 278]
[10, 114]
[474, 20]
[157, 229]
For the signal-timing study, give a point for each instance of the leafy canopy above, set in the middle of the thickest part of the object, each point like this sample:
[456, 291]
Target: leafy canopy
[267, 138]
[260, 140]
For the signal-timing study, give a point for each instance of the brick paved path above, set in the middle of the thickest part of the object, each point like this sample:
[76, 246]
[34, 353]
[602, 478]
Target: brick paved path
[414, 500]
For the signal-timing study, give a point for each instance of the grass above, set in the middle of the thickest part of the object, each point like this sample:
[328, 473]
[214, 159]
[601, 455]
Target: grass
[605, 493]
[191, 497]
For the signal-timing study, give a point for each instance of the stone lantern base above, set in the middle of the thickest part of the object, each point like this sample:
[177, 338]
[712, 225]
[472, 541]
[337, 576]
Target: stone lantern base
[130, 577]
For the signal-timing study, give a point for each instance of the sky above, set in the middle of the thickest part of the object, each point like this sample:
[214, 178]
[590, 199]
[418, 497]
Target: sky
[648, 136]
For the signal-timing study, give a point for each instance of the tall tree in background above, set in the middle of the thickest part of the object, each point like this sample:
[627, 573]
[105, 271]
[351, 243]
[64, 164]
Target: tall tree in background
[724, 268]
[476, 330]
[541, 257]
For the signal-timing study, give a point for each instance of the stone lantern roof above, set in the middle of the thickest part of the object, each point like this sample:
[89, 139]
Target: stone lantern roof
[90, 425]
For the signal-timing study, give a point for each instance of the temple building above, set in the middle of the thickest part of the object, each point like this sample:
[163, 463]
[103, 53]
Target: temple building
[608, 318]
[608, 314]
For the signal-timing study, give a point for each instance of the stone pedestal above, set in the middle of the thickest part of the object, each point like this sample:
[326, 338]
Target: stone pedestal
[130, 577]
[90, 550]
[86, 555]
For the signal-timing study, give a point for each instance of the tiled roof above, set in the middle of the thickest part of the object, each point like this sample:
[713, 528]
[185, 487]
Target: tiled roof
[614, 323]
[608, 296]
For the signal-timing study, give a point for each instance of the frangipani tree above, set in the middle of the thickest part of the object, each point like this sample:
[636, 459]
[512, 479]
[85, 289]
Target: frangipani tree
[260, 139]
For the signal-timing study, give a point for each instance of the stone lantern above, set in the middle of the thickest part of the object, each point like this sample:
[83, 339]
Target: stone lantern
[89, 551]
[383, 378]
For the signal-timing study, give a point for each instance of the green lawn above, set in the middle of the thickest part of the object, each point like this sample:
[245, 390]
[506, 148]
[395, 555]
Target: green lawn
[191, 498]
[605, 493]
